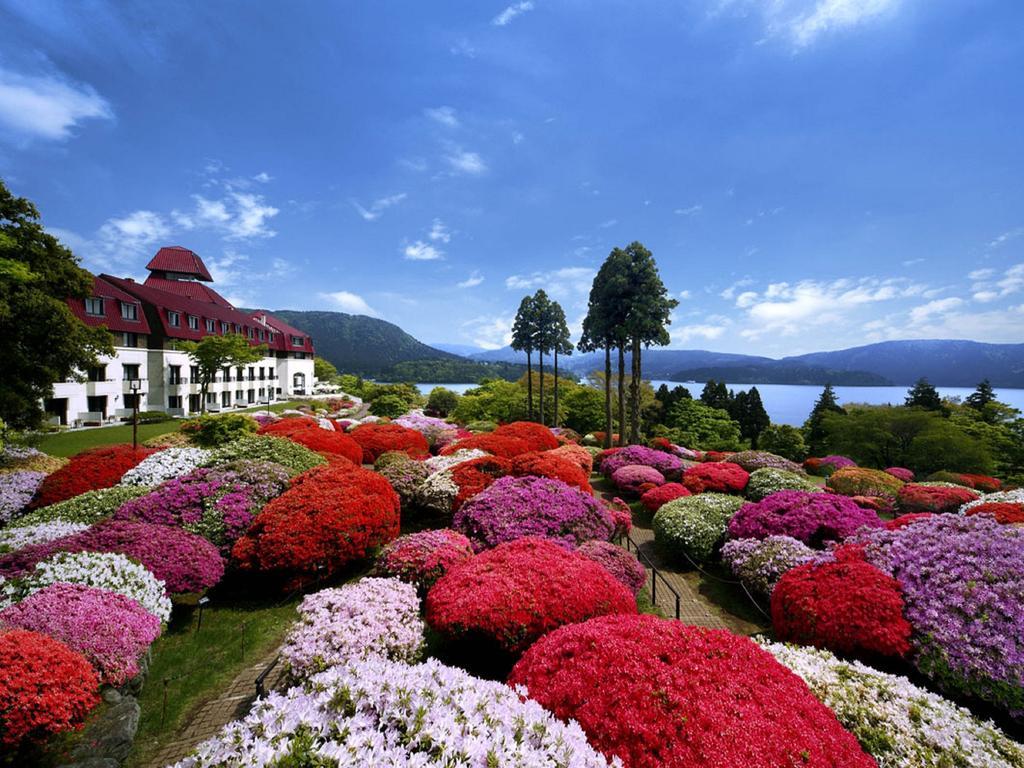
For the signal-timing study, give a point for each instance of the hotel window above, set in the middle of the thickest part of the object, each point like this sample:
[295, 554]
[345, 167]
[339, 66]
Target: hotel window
[94, 306]
[129, 311]
[193, 322]
[173, 318]
[262, 335]
[249, 332]
[129, 372]
[238, 328]
[174, 401]
[174, 374]
[224, 327]
[297, 341]
[129, 339]
[194, 373]
[211, 326]
[97, 373]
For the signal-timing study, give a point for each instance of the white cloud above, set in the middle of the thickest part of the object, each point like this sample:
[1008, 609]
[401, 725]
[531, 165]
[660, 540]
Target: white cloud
[421, 251]
[263, 177]
[472, 281]
[462, 161]
[746, 299]
[684, 295]
[444, 115]
[730, 292]
[608, 223]
[488, 332]
[925, 312]
[981, 274]
[1006, 237]
[47, 106]
[349, 302]
[987, 289]
[912, 262]
[439, 232]
[985, 296]
[690, 211]
[701, 331]
[238, 215]
[378, 206]
[802, 22]
[511, 12]
[518, 137]
[560, 283]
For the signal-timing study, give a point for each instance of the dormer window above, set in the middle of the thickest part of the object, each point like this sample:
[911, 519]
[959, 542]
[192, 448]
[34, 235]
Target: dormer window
[297, 341]
[211, 326]
[193, 322]
[174, 319]
[129, 310]
[224, 327]
[94, 306]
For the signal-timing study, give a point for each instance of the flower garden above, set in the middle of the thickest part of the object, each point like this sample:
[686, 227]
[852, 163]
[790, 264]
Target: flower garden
[467, 601]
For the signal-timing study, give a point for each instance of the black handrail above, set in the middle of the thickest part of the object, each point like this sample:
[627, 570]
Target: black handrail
[262, 677]
[655, 574]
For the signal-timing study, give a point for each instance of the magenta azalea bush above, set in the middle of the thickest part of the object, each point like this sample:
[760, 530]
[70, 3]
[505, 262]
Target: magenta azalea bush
[666, 463]
[183, 561]
[514, 507]
[813, 518]
[422, 558]
[621, 564]
[112, 631]
[636, 478]
[901, 473]
[217, 504]
[760, 563]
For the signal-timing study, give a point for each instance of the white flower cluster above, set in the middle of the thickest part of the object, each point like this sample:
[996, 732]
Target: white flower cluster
[441, 463]
[12, 539]
[438, 492]
[376, 712]
[325, 424]
[1016, 496]
[165, 465]
[104, 570]
[371, 617]
[768, 480]
[693, 525]
[900, 724]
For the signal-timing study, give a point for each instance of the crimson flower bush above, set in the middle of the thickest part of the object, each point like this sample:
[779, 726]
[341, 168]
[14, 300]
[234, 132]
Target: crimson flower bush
[376, 439]
[552, 465]
[903, 520]
[850, 607]
[422, 558]
[716, 477]
[636, 478]
[655, 497]
[89, 470]
[537, 436]
[1006, 512]
[310, 434]
[518, 591]
[982, 483]
[503, 446]
[332, 515]
[662, 694]
[813, 518]
[577, 454]
[45, 687]
[916, 497]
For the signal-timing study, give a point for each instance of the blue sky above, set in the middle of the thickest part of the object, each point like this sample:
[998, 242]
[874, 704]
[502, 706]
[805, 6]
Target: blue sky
[810, 174]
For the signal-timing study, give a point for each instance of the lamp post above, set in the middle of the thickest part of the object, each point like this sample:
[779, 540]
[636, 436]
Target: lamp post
[135, 385]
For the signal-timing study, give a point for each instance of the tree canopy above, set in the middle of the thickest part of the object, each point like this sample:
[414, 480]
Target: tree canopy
[923, 395]
[213, 353]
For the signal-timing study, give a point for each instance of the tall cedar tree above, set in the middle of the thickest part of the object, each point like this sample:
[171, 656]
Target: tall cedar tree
[981, 396]
[923, 395]
[523, 336]
[212, 353]
[716, 395]
[814, 429]
[540, 307]
[561, 344]
[43, 340]
[748, 411]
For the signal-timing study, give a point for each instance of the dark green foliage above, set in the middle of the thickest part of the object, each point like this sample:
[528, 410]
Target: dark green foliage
[43, 341]
[389, 406]
[441, 401]
[981, 396]
[748, 411]
[524, 339]
[784, 440]
[923, 395]
[212, 431]
[668, 397]
[814, 430]
[715, 395]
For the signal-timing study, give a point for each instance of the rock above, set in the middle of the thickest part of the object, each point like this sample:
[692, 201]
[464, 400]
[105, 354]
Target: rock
[111, 695]
[110, 735]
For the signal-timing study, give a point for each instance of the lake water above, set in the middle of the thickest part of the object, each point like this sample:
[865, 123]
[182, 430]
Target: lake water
[791, 403]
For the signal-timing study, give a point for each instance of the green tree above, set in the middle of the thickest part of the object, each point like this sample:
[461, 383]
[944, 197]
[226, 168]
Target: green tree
[716, 395]
[43, 340]
[584, 408]
[923, 395]
[748, 411]
[561, 344]
[524, 337]
[324, 370]
[982, 396]
[697, 425]
[785, 440]
[213, 353]
[442, 401]
[493, 400]
[814, 430]
[389, 406]
[542, 312]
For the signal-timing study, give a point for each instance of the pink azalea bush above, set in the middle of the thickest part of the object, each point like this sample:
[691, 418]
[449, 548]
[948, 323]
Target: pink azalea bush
[422, 558]
[621, 564]
[667, 464]
[636, 478]
[813, 518]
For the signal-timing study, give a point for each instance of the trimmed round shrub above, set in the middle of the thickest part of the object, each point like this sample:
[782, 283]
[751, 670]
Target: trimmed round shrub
[666, 463]
[490, 442]
[310, 434]
[637, 478]
[694, 525]
[404, 473]
[211, 431]
[850, 607]
[755, 460]
[552, 465]
[760, 563]
[45, 688]
[89, 471]
[813, 518]
[330, 517]
[440, 463]
[520, 590]
[183, 561]
[899, 723]
[537, 436]
[422, 558]
[577, 454]
[824, 466]
[481, 425]
[716, 477]
[90, 507]
[278, 450]
[16, 492]
[110, 630]
[765, 482]
[654, 498]
[376, 439]
[1005, 512]
[473, 476]
[655, 692]
[165, 465]
[982, 483]
[514, 507]
[859, 481]
[623, 565]
[915, 497]
[369, 617]
[435, 430]
[901, 473]
[15, 538]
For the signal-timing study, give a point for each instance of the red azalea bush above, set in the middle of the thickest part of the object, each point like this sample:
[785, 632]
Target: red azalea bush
[556, 467]
[89, 470]
[662, 694]
[637, 478]
[520, 590]
[376, 439]
[537, 436]
[716, 477]
[901, 473]
[902, 520]
[655, 497]
[713, 456]
[310, 434]
[475, 475]
[577, 454]
[184, 561]
[933, 498]
[622, 516]
[847, 606]
[979, 482]
[498, 445]
[45, 687]
[1005, 512]
[332, 515]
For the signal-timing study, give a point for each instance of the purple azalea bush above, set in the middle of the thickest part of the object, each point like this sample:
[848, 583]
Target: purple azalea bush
[111, 630]
[424, 557]
[16, 491]
[632, 477]
[623, 565]
[754, 460]
[813, 518]
[514, 507]
[666, 463]
[963, 588]
[760, 563]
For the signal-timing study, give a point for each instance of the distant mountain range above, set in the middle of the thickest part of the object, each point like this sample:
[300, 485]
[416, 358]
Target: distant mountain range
[373, 347]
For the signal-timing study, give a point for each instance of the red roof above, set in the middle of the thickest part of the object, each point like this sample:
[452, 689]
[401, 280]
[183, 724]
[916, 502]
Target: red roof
[111, 317]
[286, 332]
[174, 258]
[189, 288]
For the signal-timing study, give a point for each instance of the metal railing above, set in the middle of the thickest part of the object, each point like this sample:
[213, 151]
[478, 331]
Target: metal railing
[627, 541]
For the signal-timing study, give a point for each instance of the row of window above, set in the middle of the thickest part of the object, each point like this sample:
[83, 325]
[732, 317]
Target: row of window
[129, 371]
[96, 306]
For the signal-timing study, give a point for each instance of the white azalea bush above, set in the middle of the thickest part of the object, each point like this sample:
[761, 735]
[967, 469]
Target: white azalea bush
[441, 463]
[768, 480]
[377, 712]
[12, 539]
[1015, 496]
[898, 723]
[89, 507]
[371, 617]
[693, 525]
[165, 465]
[438, 492]
[104, 570]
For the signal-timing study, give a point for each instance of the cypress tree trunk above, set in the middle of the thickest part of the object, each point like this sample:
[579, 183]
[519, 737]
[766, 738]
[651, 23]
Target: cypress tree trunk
[541, 404]
[634, 431]
[554, 421]
[607, 396]
[529, 385]
[622, 395]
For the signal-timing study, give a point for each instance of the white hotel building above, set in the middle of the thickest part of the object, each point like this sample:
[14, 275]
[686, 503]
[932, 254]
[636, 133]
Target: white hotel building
[148, 320]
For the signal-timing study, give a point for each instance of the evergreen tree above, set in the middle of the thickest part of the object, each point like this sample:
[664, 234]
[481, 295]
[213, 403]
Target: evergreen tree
[923, 395]
[981, 396]
[540, 307]
[756, 418]
[814, 430]
[561, 344]
[716, 395]
[524, 335]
